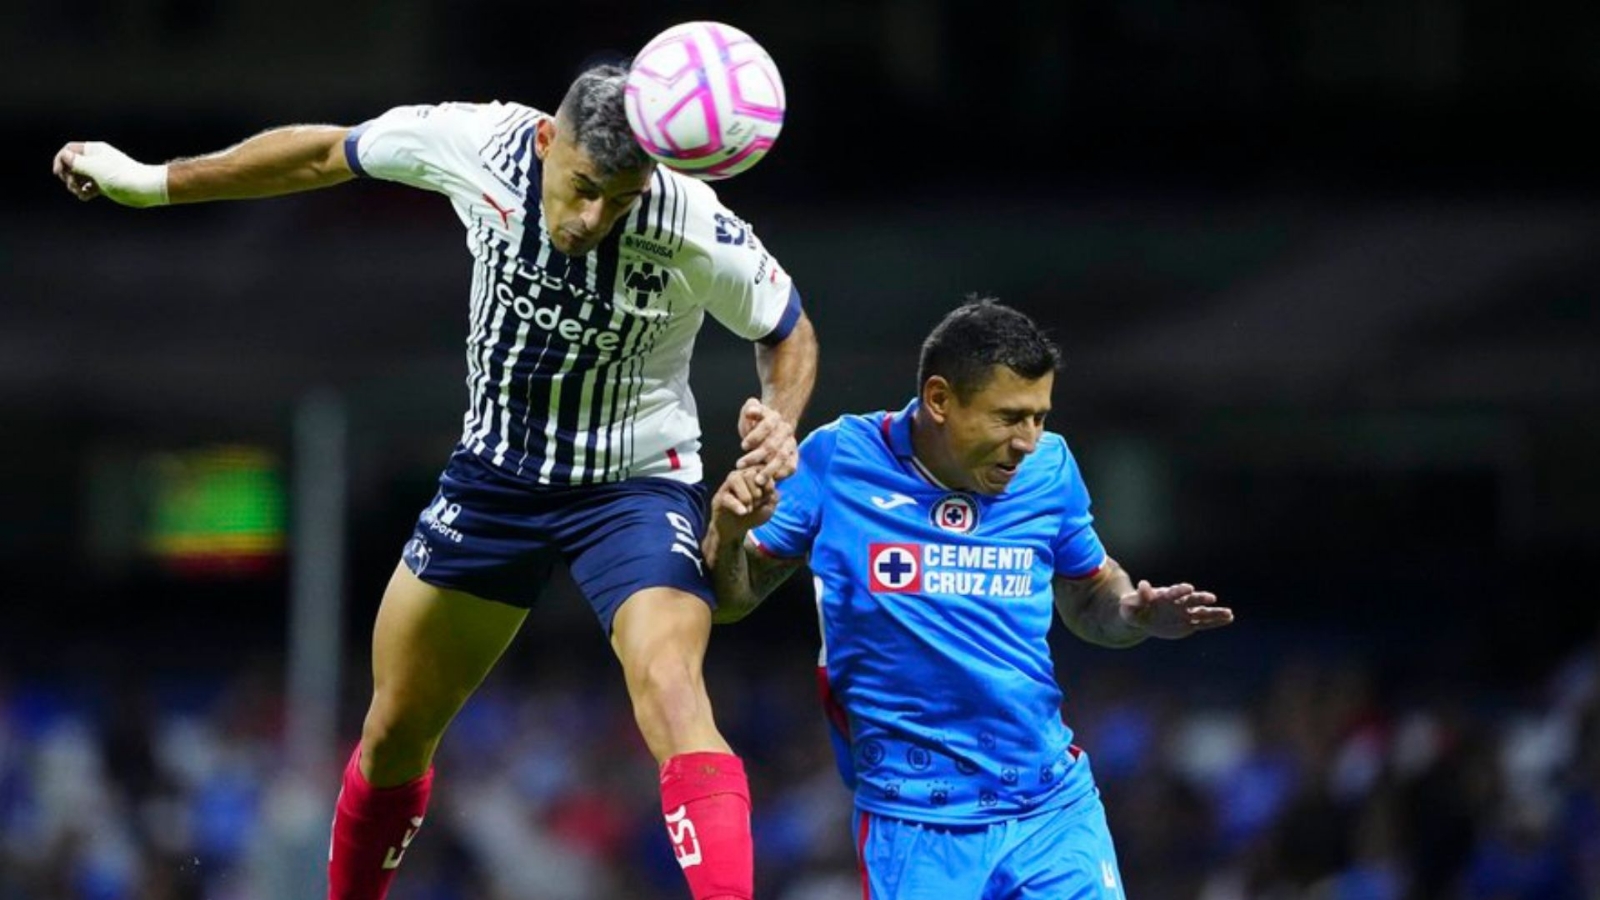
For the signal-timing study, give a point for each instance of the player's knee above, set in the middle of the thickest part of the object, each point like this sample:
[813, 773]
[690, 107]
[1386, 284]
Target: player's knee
[668, 693]
[397, 747]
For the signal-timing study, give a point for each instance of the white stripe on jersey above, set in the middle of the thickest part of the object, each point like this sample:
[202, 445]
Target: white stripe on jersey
[505, 391]
[537, 291]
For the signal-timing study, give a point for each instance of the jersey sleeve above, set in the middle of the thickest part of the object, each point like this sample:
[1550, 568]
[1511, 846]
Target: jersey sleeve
[790, 531]
[739, 281]
[1077, 548]
[433, 147]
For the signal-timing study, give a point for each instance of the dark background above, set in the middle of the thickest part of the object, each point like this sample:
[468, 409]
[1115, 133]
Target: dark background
[1325, 275]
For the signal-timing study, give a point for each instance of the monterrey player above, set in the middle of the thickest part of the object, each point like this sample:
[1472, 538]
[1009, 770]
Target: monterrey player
[593, 271]
[940, 537]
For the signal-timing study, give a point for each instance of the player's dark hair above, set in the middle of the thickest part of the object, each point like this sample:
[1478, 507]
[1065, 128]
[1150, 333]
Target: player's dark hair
[980, 334]
[594, 110]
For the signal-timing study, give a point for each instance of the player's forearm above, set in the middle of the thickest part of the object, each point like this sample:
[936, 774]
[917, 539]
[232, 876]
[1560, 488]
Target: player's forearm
[730, 575]
[1092, 607]
[788, 370]
[281, 161]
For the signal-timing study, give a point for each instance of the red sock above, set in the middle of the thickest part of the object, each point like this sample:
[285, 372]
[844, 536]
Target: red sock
[372, 827]
[706, 799]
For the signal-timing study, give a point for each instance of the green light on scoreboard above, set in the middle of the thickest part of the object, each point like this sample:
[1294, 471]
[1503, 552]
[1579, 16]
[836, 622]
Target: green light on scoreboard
[218, 510]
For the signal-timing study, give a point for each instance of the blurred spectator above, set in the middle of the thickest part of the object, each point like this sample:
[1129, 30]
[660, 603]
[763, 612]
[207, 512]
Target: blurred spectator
[1316, 785]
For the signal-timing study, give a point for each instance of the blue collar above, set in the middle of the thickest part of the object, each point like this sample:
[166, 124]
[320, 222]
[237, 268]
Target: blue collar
[897, 429]
[897, 434]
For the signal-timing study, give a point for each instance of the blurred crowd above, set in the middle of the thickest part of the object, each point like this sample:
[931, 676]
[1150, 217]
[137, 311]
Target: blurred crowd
[1322, 781]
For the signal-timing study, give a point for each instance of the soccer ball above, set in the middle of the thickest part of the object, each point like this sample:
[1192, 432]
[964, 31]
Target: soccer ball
[704, 98]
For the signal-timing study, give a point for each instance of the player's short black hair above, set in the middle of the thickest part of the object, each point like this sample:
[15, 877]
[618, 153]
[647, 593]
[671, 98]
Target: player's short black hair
[980, 334]
[593, 109]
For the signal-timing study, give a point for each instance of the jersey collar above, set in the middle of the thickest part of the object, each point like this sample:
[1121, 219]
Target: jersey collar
[897, 433]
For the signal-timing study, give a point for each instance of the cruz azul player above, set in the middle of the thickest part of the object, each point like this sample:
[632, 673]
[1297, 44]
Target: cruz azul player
[941, 536]
[593, 271]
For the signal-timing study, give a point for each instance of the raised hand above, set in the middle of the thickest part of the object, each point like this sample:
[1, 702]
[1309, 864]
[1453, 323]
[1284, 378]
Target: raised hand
[92, 169]
[1176, 611]
[741, 504]
[768, 441]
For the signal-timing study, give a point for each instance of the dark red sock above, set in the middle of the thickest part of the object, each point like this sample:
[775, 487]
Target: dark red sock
[372, 827]
[706, 799]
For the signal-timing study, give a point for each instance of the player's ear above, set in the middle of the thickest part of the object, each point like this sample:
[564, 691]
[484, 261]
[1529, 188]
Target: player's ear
[937, 395]
[544, 134]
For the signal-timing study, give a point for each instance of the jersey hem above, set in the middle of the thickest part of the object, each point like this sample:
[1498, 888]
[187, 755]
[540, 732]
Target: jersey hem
[1055, 803]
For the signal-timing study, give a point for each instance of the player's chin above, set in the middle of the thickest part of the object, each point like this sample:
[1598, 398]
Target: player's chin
[574, 246]
[994, 479]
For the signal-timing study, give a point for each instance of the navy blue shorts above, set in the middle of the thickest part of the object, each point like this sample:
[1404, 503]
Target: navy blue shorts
[494, 537]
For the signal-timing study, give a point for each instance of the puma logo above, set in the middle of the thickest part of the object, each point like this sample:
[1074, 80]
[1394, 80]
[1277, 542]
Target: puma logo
[505, 213]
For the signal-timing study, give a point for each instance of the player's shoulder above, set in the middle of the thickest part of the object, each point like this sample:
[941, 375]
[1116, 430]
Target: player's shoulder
[701, 193]
[1052, 464]
[465, 122]
[685, 215]
[1054, 447]
[461, 110]
[852, 434]
[494, 116]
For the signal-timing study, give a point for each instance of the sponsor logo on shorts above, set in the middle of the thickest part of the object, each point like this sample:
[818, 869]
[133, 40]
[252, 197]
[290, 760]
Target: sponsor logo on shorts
[441, 517]
[417, 554]
[683, 540]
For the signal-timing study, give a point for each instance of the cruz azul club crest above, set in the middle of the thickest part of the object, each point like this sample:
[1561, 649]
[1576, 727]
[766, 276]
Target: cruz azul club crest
[955, 513]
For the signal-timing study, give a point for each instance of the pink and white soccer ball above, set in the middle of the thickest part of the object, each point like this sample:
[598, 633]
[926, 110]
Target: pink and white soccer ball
[704, 98]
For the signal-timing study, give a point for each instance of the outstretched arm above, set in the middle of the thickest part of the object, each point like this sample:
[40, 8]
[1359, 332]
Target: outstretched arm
[741, 574]
[1106, 608]
[281, 161]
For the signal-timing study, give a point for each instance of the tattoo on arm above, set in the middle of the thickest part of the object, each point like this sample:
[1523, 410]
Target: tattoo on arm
[766, 572]
[743, 577]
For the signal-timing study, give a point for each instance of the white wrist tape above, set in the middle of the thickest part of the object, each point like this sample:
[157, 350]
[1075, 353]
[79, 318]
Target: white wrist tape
[121, 178]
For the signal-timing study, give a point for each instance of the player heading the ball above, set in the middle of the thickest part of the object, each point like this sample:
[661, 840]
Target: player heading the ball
[704, 98]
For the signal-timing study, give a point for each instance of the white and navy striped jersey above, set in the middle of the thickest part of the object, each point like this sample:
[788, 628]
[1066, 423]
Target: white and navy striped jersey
[578, 368]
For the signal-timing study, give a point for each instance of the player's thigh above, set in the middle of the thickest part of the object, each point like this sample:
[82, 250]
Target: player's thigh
[1063, 854]
[637, 544]
[661, 624]
[431, 647]
[903, 860]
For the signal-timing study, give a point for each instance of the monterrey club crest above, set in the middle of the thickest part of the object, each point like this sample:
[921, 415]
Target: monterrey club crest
[894, 568]
[957, 513]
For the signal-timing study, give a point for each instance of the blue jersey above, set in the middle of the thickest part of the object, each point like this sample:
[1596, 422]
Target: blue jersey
[935, 607]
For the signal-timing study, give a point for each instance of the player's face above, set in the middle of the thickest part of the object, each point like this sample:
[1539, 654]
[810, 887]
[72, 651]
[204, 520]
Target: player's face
[986, 437]
[580, 205]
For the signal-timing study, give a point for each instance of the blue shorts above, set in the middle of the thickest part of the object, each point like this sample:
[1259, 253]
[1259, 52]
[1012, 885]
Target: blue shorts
[495, 537]
[1062, 853]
